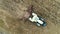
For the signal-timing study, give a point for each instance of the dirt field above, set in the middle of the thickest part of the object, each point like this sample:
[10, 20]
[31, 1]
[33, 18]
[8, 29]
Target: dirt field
[12, 10]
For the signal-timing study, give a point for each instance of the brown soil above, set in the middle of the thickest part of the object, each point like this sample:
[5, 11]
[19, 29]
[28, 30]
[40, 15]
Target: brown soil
[12, 10]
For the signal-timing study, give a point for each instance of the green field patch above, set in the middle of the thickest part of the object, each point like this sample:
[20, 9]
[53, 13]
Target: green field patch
[1, 22]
